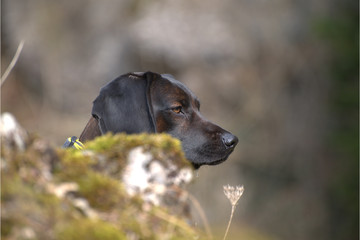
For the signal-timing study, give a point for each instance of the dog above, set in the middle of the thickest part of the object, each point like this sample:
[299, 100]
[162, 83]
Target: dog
[155, 103]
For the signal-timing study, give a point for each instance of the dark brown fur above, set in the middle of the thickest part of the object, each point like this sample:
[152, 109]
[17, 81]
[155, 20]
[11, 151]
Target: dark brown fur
[150, 102]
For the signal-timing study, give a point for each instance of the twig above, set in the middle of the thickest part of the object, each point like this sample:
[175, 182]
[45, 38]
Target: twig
[13, 62]
[201, 212]
[173, 220]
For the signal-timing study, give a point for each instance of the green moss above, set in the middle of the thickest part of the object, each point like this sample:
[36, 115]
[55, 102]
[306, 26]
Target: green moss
[89, 230]
[102, 192]
[162, 146]
[27, 205]
[74, 163]
[31, 178]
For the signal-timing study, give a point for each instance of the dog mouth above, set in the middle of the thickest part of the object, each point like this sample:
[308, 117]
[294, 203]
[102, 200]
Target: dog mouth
[197, 165]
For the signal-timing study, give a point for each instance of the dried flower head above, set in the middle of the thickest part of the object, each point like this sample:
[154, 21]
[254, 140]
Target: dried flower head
[233, 193]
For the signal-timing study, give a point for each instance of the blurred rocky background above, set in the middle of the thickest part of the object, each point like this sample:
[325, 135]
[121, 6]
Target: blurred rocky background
[282, 75]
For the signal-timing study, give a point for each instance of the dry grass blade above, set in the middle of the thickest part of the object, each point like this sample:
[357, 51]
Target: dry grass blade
[13, 62]
[201, 213]
[173, 220]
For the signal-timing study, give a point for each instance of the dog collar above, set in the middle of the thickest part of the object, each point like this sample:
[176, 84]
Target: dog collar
[73, 142]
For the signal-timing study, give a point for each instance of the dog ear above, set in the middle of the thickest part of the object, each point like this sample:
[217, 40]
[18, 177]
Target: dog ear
[124, 104]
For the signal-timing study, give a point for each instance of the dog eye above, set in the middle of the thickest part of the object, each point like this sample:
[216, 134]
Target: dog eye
[177, 109]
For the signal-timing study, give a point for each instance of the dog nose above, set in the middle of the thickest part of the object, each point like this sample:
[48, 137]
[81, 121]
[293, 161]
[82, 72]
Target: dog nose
[229, 140]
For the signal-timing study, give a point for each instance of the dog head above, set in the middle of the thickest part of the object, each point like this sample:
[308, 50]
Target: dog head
[150, 102]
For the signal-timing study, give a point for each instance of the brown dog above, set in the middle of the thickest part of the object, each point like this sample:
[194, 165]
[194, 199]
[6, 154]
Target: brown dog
[154, 103]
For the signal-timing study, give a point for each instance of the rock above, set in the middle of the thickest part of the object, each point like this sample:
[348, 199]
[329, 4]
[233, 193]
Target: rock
[11, 132]
[118, 187]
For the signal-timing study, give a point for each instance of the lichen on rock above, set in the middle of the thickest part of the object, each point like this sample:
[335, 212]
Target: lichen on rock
[118, 187]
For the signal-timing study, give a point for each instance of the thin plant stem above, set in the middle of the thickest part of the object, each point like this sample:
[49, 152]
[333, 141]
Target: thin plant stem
[233, 194]
[200, 211]
[202, 215]
[173, 220]
[230, 220]
[12, 63]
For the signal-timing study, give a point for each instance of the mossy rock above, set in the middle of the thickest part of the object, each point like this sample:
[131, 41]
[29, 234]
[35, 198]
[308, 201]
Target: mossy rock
[89, 230]
[54, 193]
